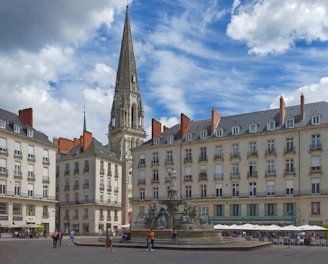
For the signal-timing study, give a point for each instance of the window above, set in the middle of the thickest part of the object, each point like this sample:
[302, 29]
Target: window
[3, 166]
[315, 186]
[203, 153]
[30, 191]
[315, 208]
[252, 128]
[2, 123]
[188, 191]
[219, 132]
[17, 128]
[315, 143]
[270, 188]
[155, 175]
[203, 134]
[235, 150]
[271, 146]
[142, 179]
[188, 175]
[219, 151]
[188, 155]
[218, 172]
[17, 151]
[3, 145]
[45, 156]
[290, 144]
[86, 166]
[252, 210]
[101, 197]
[289, 165]
[155, 193]
[45, 211]
[271, 125]
[142, 161]
[252, 189]
[142, 193]
[86, 197]
[203, 173]
[30, 172]
[235, 189]
[2, 187]
[169, 156]
[235, 210]
[17, 189]
[155, 158]
[289, 187]
[157, 140]
[271, 168]
[315, 120]
[203, 192]
[3, 209]
[270, 209]
[235, 130]
[30, 209]
[315, 163]
[290, 123]
[289, 208]
[218, 190]
[30, 132]
[45, 191]
[219, 210]
[188, 136]
[252, 169]
[252, 148]
[17, 210]
[67, 198]
[30, 154]
[170, 139]
[235, 170]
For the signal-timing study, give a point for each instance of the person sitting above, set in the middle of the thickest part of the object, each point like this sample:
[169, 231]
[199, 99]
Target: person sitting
[126, 237]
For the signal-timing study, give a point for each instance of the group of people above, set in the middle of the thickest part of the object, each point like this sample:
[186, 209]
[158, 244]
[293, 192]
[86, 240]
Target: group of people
[57, 238]
[151, 237]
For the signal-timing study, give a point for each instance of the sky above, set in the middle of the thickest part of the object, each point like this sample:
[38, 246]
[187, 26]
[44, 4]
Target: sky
[237, 56]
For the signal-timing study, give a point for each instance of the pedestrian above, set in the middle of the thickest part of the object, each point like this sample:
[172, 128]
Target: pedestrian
[109, 240]
[60, 238]
[152, 237]
[55, 237]
[71, 238]
[174, 235]
[148, 242]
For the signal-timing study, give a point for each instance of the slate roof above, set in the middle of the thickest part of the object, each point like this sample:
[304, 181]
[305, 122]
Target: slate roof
[11, 119]
[260, 118]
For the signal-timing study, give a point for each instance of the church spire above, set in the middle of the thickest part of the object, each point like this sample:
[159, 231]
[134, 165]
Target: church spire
[126, 127]
[84, 121]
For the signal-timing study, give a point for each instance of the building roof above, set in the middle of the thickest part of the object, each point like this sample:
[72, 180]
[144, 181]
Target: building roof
[243, 121]
[12, 119]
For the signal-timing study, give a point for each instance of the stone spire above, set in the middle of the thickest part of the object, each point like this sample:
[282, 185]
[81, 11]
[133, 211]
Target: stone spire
[126, 127]
[84, 121]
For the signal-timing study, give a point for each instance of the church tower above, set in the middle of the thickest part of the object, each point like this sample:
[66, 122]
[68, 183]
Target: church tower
[126, 126]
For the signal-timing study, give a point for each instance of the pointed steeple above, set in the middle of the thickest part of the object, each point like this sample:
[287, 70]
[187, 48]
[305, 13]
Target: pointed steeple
[126, 127]
[84, 121]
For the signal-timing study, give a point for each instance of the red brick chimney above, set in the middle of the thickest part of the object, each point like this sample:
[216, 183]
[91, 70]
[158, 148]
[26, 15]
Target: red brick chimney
[215, 120]
[86, 140]
[165, 128]
[26, 116]
[282, 110]
[302, 113]
[156, 128]
[185, 121]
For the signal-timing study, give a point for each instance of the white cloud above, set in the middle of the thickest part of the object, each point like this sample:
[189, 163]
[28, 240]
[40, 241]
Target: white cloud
[269, 26]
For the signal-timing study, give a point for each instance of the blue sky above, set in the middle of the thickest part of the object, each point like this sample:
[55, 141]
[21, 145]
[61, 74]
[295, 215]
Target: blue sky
[235, 56]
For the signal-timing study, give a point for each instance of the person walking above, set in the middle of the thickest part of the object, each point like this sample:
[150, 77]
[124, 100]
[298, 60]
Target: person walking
[55, 237]
[60, 238]
[152, 237]
[109, 240]
[148, 242]
[72, 238]
[174, 235]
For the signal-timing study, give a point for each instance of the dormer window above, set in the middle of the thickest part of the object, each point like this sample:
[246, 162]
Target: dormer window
[271, 125]
[315, 120]
[252, 128]
[29, 132]
[235, 130]
[16, 128]
[219, 132]
[157, 140]
[290, 123]
[170, 139]
[2, 123]
[203, 134]
[188, 136]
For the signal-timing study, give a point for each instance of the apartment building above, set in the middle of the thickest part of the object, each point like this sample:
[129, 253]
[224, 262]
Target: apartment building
[27, 173]
[89, 186]
[263, 167]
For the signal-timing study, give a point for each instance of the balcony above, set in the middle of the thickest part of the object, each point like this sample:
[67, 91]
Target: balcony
[142, 164]
[315, 170]
[109, 173]
[290, 172]
[270, 173]
[155, 181]
[76, 171]
[86, 169]
[67, 172]
[289, 151]
[251, 174]
[168, 161]
[203, 176]
[235, 175]
[30, 176]
[116, 189]
[270, 153]
[66, 188]
[3, 171]
[31, 157]
[101, 186]
[45, 161]
[45, 179]
[45, 215]
[85, 185]
[141, 181]
[76, 187]
[109, 188]
[3, 151]
[101, 171]
[252, 154]
[218, 157]
[202, 158]
[85, 216]
[235, 156]
[116, 174]
[187, 160]
[187, 178]
[218, 176]
[316, 147]
[18, 154]
[75, 217]
[18, 174]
